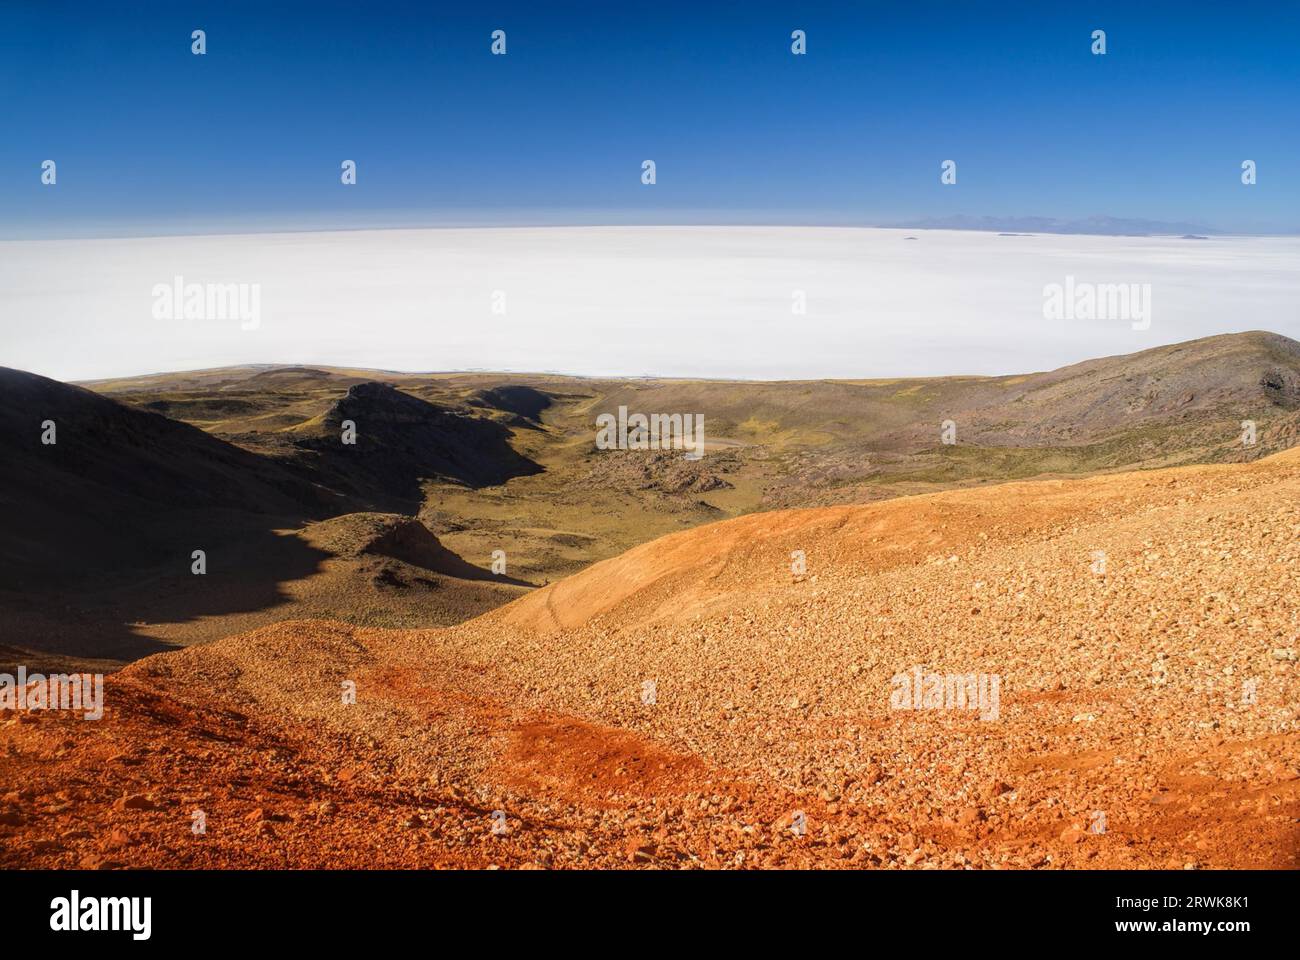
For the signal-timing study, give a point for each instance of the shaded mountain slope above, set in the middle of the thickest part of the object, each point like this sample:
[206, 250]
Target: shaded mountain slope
[122, 487]
[402, 440]
[397, 537]
[523, 401]
[1245, 375]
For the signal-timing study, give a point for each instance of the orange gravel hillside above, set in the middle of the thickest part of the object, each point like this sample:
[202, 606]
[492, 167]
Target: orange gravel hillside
[699, 701]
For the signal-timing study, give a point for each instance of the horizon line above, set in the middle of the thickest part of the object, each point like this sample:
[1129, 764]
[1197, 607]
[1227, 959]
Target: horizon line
[978, 224]
[1172, 235]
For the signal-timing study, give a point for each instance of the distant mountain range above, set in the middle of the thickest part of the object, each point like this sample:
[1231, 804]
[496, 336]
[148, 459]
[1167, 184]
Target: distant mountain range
[1100, 226]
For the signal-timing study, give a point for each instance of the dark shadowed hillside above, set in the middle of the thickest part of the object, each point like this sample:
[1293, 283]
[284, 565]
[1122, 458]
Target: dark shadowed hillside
[123, 487]
[402, 440]
[524, 402]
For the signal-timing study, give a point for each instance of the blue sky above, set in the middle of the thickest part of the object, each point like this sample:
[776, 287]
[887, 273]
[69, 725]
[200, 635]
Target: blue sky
[148, 136]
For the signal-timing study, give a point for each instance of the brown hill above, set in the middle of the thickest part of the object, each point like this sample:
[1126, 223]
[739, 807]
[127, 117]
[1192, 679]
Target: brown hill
[402, 440]
[1240, 374]
[397, 537]
[524, 402]
[121, 487]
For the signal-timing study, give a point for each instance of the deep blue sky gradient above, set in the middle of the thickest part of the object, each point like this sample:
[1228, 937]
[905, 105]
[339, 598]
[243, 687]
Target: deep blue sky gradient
[148, 136]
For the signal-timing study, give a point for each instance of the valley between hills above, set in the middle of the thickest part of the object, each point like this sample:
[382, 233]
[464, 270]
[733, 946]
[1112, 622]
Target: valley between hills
[501, 716]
